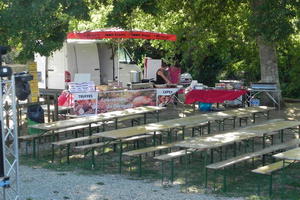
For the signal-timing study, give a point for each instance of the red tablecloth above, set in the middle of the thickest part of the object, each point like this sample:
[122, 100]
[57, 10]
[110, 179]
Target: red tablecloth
[212, 96]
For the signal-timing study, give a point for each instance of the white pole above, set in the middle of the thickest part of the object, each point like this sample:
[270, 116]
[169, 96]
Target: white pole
[118, 60]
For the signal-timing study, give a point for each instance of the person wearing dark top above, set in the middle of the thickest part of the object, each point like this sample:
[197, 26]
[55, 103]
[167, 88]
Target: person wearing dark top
[162, 75]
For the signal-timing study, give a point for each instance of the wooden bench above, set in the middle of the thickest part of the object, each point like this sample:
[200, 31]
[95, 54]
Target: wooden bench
[139, 152]
[269, 169]
[94, 146]
[170, 157]
[235, 160]
[133, 118]
[32, 138]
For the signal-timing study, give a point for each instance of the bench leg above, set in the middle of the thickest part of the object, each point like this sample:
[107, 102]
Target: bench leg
[102, 165]
[183, 133]
[186, 167]
[162, 172]
[224, 180]
[270, 184]
[208, 127]
[140, 165]
[93, 158]
[68, 153]
[206, 177]
[172, 170]
[26, 147]
[211, 156]
[33, 148]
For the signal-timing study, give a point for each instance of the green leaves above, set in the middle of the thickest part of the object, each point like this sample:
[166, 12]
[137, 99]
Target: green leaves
[274, 20]
[38, 26]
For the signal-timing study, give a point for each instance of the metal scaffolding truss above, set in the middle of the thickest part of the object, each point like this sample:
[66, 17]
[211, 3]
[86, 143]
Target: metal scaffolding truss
[8, 117]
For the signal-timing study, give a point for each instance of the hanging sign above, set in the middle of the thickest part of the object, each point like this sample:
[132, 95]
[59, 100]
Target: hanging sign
[32, 69]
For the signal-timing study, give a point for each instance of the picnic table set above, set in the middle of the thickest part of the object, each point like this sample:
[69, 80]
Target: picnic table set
[164, 138]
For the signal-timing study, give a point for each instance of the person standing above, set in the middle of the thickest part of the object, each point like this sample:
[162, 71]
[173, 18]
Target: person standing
[162, 74]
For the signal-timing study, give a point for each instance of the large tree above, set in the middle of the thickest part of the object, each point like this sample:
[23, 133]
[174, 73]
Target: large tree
[38, 26]
[224, 26]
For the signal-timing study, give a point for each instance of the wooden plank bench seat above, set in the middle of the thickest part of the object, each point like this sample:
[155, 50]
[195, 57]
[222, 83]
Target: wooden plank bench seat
[174, 154]
[139, 152]
[235, 160]
[170, 157]
[270, 169]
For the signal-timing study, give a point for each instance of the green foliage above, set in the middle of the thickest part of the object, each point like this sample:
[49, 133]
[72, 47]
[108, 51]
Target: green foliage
[215, 39]
[289, 61]
[38, 26]
[273, 20]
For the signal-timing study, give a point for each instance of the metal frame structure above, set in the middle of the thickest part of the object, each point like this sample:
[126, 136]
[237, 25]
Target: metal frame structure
[9, 126]
[276, 100]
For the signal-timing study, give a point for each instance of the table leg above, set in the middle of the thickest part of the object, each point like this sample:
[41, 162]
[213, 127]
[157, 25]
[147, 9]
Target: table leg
[116, 123]
[52, 153]
[56, 106]
[48, 107]
[145, 118]
[120, 156]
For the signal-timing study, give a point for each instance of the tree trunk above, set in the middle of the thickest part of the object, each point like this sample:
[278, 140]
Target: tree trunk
[268, 63]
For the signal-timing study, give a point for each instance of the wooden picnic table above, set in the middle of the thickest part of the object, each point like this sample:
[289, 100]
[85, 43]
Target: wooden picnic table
[114, 115]
[169, 125]
[217, 140]
[293, 154]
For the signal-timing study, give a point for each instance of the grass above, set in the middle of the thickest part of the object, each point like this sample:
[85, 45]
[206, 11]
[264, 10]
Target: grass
[240, 181]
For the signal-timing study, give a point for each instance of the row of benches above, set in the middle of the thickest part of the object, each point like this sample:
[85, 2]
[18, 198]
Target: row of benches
[55, 134]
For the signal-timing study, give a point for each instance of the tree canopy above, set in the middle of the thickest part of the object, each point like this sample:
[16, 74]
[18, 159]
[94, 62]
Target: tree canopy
[246, 39]
[38, 26]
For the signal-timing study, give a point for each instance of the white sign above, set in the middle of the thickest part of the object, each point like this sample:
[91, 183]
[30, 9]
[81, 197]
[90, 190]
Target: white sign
[165, 96]
[85, 103]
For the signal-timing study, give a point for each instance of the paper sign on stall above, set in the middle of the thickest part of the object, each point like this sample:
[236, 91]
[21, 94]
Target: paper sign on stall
[165, 96]
[32, 69]
[85, 103]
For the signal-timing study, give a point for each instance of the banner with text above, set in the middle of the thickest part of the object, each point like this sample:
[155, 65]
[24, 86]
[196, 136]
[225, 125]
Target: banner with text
[123, 99]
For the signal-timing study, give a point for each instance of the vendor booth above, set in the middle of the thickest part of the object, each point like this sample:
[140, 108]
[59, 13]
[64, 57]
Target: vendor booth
[125, 89]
